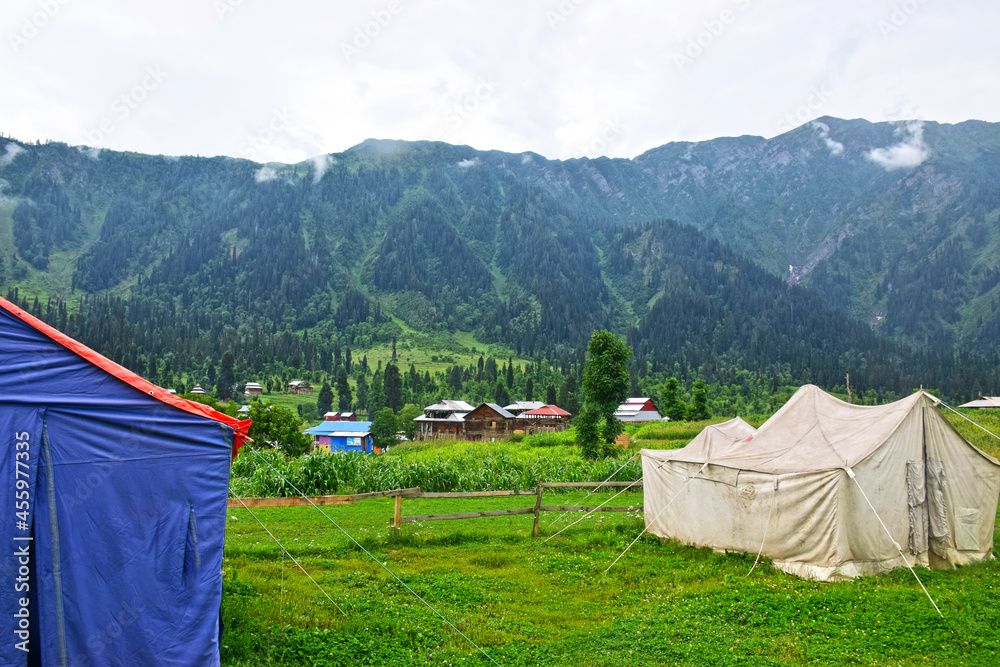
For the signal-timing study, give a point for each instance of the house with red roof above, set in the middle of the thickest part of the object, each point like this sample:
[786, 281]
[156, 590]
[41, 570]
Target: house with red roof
[546, 419]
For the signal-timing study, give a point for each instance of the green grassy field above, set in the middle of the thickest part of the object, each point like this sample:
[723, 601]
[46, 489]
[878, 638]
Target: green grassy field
[530, 602]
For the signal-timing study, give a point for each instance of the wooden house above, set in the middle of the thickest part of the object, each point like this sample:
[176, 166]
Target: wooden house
[253, 389]
[490, 422]
[443, 420]
[300, 387]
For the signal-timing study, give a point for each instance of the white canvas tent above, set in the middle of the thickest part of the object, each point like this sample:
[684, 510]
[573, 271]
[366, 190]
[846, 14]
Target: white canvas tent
[811, 485]
[714, 440]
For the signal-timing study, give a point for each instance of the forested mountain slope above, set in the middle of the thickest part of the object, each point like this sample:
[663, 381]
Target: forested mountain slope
[537, 253]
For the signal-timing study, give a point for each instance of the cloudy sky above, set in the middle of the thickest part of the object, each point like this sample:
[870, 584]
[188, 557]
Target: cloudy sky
[285, 81]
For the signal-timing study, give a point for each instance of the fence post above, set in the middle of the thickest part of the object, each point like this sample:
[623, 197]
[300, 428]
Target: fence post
[538, 507]
[397, 516]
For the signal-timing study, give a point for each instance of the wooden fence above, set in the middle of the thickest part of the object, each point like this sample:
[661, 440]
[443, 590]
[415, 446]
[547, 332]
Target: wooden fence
[398, 519]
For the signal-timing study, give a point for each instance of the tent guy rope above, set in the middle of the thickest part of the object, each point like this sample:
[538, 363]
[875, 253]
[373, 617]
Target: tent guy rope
[643, 532]
[593, 510]
[972, 421]
[767, 524]
[375, 560]
[282, 547]
[559, 518]
[850, 473]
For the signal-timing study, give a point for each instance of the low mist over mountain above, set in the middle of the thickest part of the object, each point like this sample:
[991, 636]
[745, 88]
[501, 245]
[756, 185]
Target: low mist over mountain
[839, 243]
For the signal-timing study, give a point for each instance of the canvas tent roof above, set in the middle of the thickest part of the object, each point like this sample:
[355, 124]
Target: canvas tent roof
[126, 491]
[983, 402]
[800, 488]
[714, 439]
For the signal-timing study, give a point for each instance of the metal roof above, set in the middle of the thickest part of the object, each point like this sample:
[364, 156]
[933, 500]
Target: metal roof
[547, 411]
[500, 411]
[449, 406]
[328, 428]
[524, 405]
[451, 417]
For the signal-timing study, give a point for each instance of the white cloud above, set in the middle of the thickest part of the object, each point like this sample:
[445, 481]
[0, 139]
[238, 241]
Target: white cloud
[465, 164]
[90, 151]
[265, 174]
[836, 148]
[320, 164]
[908, 153]
[10, 152]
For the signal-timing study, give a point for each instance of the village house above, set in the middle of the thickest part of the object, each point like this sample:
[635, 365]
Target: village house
[253, 389]
[198, 390]
[546, 419]
[300, 387]
[342, 436]
[490, 422]
[443, 420]
[638, 410]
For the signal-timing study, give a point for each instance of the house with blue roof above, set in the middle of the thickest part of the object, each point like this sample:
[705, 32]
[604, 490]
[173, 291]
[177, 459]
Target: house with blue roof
[342, 436]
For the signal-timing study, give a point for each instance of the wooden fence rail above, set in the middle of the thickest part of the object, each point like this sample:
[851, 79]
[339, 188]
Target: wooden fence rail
[398, 519]
[297, 501]
[398, 494]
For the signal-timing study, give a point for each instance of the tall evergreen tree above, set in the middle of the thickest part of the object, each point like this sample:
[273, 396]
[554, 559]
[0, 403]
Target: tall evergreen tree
[376, 395]
[699, 401]
[529, 389]
[363, 395]
[392, 384]
[227, 378]
[500, 395]
[550, 395]
[605, 386]
[324, 400]
[671, 403]
[343, 390]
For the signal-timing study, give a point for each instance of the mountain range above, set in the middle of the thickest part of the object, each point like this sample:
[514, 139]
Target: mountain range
[839, 243]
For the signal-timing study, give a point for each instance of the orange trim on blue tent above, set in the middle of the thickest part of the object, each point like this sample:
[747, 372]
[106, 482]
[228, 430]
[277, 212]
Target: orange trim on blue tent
[240, 428]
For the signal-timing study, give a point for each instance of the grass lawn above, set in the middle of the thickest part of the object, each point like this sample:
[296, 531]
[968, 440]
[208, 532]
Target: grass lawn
[527, 602]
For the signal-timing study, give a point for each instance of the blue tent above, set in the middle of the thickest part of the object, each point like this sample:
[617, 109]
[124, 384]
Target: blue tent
[116, 493]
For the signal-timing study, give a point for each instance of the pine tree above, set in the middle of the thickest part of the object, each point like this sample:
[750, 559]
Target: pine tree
[343, 391]
[501, 396]
[550, 395]
[671, 404]
[392, 384]
[376, 396]
[529, 390]
[226, 377]
[363, 395]
[699, 402]
[324, 400]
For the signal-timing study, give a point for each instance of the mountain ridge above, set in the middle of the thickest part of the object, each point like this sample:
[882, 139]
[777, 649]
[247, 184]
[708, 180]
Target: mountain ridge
[521, 248]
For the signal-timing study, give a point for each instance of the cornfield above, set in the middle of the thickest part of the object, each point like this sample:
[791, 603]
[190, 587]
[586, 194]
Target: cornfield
[452, 467]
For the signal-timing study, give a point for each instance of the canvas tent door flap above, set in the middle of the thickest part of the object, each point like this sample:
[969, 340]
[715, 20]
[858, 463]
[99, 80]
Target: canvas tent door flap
[816, 482]
[116, 505]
